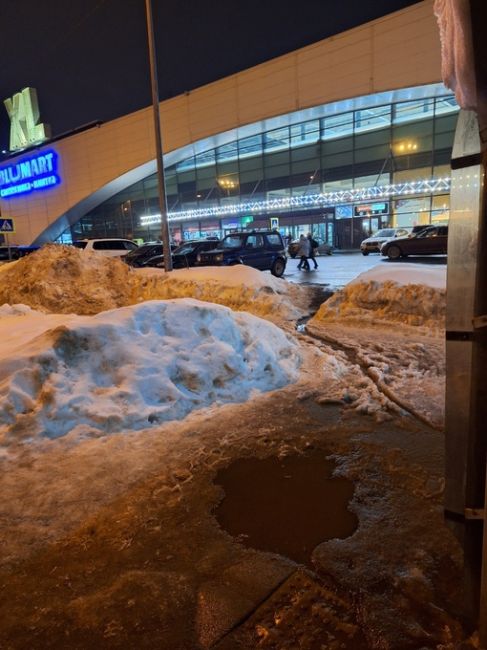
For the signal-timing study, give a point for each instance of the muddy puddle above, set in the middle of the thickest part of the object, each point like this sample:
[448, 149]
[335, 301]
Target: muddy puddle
[286, 506]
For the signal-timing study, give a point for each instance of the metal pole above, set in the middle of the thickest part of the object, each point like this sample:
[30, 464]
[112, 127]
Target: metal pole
[158, 138]
[466, 333]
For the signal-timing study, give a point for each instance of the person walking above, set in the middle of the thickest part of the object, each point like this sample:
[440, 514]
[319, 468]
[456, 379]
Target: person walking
[304, 251]
[313, 245]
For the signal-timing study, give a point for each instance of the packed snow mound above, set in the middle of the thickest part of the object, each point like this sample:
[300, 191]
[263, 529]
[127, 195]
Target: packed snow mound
[64, 280]
[382, 303]
[406, 273]
[134, 367]
[240, 287]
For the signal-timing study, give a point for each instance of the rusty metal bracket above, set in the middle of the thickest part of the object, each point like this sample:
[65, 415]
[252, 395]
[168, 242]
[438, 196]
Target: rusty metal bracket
[474, 513]
[479, 322]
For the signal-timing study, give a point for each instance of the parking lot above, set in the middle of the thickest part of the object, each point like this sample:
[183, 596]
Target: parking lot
[335, 271]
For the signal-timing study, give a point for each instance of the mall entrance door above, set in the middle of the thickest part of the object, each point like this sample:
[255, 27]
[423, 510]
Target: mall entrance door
[343, 234]
[350, 233]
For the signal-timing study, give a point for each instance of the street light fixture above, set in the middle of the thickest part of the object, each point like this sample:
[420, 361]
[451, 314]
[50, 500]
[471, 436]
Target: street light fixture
[158, 138]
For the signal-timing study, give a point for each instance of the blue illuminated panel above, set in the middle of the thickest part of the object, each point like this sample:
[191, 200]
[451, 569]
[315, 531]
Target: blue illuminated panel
[29, 175]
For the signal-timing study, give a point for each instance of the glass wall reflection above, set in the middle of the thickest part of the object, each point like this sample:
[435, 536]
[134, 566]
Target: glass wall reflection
[375, 146]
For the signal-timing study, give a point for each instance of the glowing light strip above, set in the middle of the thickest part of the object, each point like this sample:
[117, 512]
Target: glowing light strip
[310, 200]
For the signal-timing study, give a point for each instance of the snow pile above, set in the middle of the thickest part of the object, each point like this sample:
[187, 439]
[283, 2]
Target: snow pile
[63, 280]
[388, 323]
[130, 368]
[399, 294]
[240, 287]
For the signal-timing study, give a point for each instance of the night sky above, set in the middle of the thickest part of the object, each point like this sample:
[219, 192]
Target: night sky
[88, 59]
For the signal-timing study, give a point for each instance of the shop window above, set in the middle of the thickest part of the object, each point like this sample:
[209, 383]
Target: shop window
[305, 153]
[337, 126]
[250, 146]
[337, 146]
[372, 180]
[379, 153]
[277, 183]
[446, 124]
[277, 139]
[251, 164]
[271, 160]
[411, 212]
[308, 167]
[186, 164]
[440, 208]
[442, 170]
[306, 190]
[337, 160]
[412, 111]
[305, 133]
[337, 185]
[227, 152]
[403, 176]
[373, 139]
[251, 177]
[446, 105]
[372, 118]
[205, 159]
[414, 162]
[222, 169]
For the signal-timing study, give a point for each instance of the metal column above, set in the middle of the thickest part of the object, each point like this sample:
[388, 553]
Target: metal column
[466, 396]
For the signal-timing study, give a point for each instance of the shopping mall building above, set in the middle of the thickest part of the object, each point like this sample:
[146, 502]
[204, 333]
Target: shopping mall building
[339, 138]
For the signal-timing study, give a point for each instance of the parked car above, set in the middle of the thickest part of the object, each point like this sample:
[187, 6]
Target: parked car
[323, 248]
[141, 255]
[109, 247]
[16, 252]
[261, 249]
[433, 240]
[184, 255]
[416, 229]
[373, 244]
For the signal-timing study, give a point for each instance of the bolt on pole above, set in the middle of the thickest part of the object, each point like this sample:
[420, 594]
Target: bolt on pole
[158, 138]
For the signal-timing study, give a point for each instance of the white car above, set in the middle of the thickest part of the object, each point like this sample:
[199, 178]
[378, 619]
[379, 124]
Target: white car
[373, 244]
[109, 247]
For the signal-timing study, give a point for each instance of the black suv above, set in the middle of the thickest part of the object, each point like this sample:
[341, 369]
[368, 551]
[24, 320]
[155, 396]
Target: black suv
[185, 255]
[261, 249]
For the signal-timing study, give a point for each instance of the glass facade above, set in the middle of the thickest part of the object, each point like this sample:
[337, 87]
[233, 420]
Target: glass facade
[280, 173]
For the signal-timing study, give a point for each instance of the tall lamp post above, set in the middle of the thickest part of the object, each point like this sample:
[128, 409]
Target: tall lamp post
[158, 138]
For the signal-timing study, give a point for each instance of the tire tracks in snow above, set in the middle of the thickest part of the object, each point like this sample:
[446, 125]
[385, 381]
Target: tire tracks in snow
[353, 356]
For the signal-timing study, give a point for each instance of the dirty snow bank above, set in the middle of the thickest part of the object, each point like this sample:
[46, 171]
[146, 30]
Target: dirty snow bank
[134, 367]
[389, 324]
[239, 287]
[63, 280]
[401, 293]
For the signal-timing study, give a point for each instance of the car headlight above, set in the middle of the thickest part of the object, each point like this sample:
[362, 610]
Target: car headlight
[218, 257]
[198, 257]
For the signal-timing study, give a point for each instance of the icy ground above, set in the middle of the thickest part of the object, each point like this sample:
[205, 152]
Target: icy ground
[115, 422]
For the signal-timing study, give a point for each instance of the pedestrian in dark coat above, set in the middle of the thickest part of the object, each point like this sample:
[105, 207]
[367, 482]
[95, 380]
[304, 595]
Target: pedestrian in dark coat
[313, 246]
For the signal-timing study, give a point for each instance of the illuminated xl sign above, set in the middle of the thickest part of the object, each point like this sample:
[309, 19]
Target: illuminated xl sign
[38, 172]
[23, 111]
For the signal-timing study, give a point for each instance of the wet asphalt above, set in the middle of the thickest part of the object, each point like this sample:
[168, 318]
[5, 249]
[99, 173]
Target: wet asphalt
[335, 271]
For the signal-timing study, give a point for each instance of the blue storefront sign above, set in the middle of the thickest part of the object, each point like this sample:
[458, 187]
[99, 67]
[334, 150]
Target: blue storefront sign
[31, 174]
